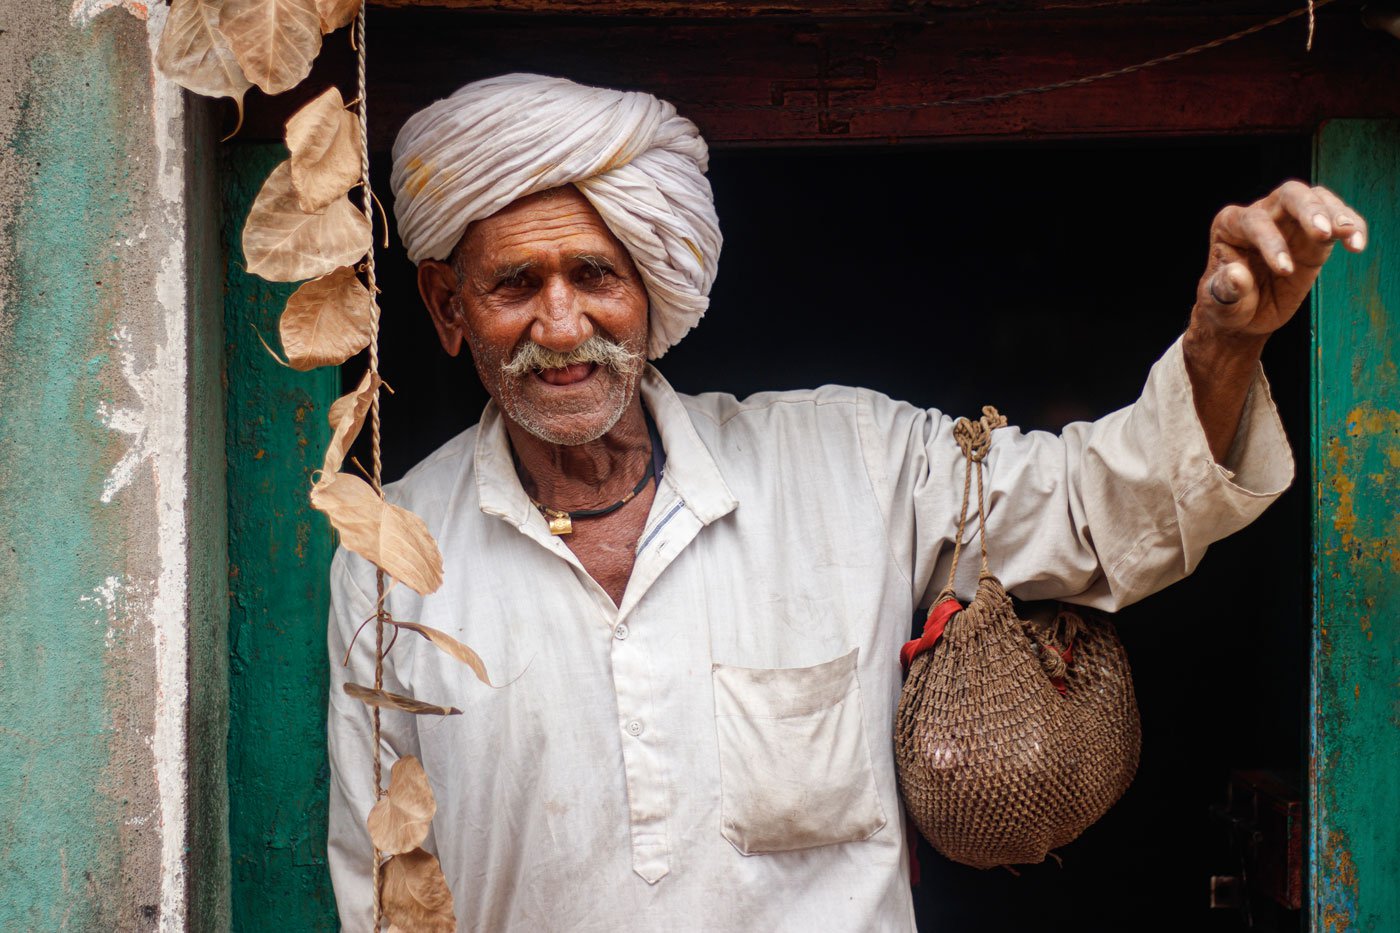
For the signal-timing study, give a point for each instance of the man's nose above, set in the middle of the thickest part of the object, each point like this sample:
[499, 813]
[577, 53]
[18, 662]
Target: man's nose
[560, 323]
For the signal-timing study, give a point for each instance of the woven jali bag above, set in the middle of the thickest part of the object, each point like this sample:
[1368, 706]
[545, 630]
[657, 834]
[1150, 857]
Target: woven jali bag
[1012, 736]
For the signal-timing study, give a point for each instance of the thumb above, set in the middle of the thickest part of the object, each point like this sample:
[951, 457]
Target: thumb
[1229, 296]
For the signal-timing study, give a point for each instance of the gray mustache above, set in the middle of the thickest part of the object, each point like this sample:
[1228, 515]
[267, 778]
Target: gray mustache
[596, 349]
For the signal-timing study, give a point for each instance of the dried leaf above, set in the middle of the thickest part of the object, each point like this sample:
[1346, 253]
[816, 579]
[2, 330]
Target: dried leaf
[336, 13]
[383, 698]
[389, 536]
[416, 895]
[275, 40]
[399, 821]
[195, 54]
[448, 644]
[347, 417]
[326, 321]
[324, 139]
[283, 243]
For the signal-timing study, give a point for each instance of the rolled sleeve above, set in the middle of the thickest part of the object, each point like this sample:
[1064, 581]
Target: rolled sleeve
[1210, 500]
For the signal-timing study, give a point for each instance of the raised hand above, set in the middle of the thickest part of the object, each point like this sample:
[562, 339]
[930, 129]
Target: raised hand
[1263, 259]
[1265, 256]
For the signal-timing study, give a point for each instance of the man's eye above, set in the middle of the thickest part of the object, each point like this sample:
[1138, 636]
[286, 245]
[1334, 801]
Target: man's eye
[516, 281]
[594, 273]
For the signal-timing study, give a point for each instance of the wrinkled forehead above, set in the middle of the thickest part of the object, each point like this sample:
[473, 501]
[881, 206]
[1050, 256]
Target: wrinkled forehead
[558, 222]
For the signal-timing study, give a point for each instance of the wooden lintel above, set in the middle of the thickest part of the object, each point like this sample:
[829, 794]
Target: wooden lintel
[817, 9]
[773, 82]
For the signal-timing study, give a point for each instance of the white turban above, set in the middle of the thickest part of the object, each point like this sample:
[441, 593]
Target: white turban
[640, 165]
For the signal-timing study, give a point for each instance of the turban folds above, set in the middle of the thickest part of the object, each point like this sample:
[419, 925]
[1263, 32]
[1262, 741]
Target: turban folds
[639, 164]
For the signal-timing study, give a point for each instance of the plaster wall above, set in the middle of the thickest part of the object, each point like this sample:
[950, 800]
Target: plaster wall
[112, 571]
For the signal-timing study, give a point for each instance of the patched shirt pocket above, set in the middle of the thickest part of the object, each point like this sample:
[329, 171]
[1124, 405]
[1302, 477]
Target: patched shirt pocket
[795, 767]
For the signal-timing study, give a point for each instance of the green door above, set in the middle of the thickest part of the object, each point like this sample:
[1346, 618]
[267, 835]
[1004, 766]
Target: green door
[1355, 754]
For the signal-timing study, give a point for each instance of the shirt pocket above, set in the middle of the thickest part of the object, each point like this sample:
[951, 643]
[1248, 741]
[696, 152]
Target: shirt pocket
[795, 767]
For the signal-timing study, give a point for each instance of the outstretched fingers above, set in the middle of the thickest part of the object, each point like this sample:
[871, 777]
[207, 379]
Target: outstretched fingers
[1266, 255]
[1253, 229]
[1347, 225]
[1321, 219]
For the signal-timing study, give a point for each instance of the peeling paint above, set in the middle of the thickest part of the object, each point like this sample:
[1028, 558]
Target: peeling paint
[95, 459]
[129, 421]
[83, 12]
[75, 670]
[1355, 734]
[1339, 902]
[166, 416]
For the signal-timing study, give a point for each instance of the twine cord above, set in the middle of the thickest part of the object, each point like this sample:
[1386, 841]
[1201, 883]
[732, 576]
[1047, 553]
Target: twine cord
[367, 200]
[1310, 11]
[974, 438]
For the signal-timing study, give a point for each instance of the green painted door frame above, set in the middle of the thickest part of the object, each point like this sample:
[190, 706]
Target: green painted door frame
[1355, 704]
[279, 595]
[279, 553]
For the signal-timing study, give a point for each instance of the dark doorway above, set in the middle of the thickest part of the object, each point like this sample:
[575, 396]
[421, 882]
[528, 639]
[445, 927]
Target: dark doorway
[1044, 279]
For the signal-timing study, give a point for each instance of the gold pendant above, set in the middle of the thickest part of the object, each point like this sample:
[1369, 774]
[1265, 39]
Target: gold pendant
[560, 523]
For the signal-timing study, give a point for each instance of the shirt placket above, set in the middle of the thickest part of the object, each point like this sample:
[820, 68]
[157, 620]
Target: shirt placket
[641, 735]
[644, 733]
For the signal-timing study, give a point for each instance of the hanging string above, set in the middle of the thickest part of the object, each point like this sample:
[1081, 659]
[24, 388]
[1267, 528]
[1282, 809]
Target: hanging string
[376, 462]
[1310, 11]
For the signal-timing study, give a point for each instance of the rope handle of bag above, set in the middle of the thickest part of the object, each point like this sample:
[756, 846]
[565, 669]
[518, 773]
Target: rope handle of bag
[974, 438]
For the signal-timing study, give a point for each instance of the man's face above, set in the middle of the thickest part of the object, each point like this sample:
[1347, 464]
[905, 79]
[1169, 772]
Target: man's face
[540, 290]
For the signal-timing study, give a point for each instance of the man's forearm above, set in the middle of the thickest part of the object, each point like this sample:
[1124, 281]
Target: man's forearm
[1221, 369]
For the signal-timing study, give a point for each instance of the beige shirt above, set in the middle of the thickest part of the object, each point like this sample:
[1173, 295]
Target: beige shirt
[715, 753]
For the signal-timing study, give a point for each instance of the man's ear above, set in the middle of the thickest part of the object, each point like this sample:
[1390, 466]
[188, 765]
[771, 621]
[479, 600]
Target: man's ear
[437, 283]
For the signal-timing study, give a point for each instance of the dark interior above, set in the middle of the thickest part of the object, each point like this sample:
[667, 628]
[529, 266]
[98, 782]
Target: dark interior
[1044, 279]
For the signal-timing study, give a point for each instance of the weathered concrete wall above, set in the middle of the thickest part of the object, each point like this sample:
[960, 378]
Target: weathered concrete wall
[111, 498]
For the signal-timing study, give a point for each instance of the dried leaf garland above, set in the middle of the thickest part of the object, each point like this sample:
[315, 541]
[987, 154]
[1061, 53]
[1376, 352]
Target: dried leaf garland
[399, 822]
[283, 243]
[324, 139]
[386, 535]
[415, 894]
[302, 227]
[336, 13]
[195, 54]
[449, 645]
[326, 321]
[275, 40]
[385, 699]
[347, 416]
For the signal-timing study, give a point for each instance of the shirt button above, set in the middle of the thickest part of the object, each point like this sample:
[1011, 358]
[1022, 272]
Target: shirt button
[634, 727]
[620, 632]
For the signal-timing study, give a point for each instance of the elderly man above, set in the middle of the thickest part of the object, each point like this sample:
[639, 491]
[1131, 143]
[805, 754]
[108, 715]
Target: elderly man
[698, 602]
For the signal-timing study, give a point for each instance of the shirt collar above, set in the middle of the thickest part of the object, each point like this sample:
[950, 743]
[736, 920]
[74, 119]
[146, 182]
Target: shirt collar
[690, 468]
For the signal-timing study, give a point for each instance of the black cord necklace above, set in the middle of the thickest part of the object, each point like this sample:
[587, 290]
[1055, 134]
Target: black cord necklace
[561, 522]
